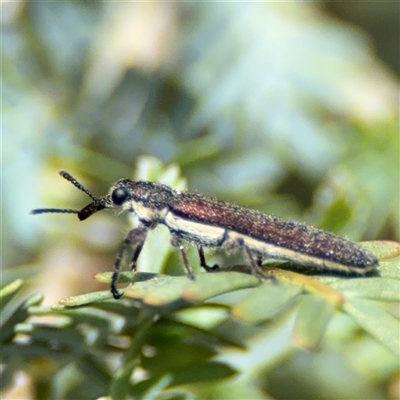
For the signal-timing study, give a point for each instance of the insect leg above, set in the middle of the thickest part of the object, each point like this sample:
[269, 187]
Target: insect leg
[136, 254]
[255, 263]
[177, 242]
[136, 237]
[203, 260]
[185, 261]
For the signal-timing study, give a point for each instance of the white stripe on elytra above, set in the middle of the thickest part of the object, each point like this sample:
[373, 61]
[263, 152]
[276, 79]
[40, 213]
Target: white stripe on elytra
[207, 235]
[274, 251]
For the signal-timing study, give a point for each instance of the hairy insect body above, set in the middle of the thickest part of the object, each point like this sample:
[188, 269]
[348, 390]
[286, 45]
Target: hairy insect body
[209, 222]
[213, 223]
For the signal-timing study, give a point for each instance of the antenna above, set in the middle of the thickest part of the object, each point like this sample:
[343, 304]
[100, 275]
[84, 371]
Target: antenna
[71, 179]
[78, 185]
[54, 210]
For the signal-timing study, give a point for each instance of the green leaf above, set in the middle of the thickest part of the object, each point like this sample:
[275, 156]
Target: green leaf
[382, 289]
[382, 326]
[95, 372]
[9, 291]
[157, 388]
[208, 335]
[121, 381]
[195, 373]
[312, 318]
[266, 301]
[82, 300]
[103, 322]
[383, 249]
[337, 215]
[203, 371]
[311, 284]
[10, 318]
[163, 290]
[188, 354]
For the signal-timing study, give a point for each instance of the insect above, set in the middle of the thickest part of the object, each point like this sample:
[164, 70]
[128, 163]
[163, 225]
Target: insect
[208, 222]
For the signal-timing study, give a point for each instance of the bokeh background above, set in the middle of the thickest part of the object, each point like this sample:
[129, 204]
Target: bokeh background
[288, 108]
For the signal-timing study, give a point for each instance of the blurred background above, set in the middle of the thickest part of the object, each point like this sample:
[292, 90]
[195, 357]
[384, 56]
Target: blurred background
[288, 108]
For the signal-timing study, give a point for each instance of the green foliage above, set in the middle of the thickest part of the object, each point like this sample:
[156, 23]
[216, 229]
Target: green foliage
[273, 106]
[167, 334]
[172, 337]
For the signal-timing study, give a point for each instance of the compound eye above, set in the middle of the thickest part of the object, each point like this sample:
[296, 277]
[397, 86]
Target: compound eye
[119, 196]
